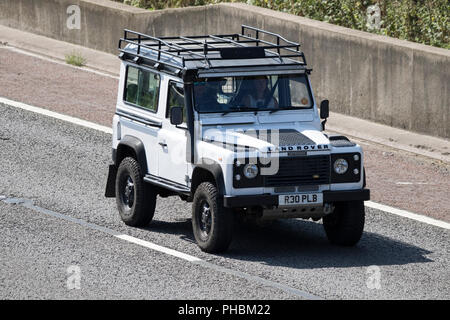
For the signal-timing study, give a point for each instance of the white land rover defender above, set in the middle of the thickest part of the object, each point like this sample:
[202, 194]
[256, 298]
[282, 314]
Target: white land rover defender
[229, 123]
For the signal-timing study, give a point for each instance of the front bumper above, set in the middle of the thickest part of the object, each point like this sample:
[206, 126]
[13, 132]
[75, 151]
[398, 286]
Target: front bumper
[269, 200]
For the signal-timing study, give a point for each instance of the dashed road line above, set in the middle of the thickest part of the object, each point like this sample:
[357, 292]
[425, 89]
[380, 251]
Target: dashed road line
[27, 203]
[92, 125]
[159, 248]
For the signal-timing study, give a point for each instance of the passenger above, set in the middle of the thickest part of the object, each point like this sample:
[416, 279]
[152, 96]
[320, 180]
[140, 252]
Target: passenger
[206, 96]
[132, 93]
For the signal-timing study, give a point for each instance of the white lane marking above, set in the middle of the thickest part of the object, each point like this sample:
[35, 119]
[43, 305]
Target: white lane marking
[407, 183]
[156, 247]
[407, 214]
[27, 203]
[91, 125]
[52, 114]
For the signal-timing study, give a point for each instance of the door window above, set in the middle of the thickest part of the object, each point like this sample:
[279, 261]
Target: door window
[175, 98]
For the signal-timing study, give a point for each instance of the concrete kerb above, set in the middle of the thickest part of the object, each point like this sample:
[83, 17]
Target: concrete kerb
[420, 144]
[57, 50]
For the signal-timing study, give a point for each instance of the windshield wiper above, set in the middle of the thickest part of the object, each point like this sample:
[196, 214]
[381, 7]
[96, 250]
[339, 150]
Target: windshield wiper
[241, 109]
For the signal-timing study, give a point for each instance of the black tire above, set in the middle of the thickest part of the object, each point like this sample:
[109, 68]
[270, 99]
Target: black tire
[211, 222]
[345, 225]
[136, 200]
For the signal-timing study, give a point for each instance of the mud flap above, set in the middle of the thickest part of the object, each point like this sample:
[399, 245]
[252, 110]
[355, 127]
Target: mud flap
[110, 191]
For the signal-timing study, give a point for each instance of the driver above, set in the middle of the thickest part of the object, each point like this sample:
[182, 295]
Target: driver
[260, 96]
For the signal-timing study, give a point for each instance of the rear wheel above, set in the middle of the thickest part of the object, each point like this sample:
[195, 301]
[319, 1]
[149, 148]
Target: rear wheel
[211, 222]
[346, 224]
[136, 200]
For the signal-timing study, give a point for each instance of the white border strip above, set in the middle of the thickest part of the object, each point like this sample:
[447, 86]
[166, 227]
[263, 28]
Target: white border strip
[407, 214]
[91, 125]
[56, 115]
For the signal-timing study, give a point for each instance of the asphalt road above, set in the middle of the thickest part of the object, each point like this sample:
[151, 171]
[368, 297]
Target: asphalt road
[62, 169]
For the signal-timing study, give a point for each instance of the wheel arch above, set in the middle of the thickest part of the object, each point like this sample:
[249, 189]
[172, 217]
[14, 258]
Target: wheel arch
[208, 172]
[134, 147]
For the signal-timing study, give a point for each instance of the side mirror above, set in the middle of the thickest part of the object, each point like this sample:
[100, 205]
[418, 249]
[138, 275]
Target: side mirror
[324, 112]
[176, 115]
[324, 109]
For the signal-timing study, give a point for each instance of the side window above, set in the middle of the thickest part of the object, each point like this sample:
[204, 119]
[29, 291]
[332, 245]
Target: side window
[175, 98]
[142, 88]
[299, 92]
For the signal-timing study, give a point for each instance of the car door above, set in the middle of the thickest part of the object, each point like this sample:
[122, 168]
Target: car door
[172, 139]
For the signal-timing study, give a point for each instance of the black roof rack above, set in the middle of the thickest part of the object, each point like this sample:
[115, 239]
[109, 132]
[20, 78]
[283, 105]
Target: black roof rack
[210, 51]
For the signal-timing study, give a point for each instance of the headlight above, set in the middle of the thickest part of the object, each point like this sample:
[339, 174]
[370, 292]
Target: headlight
[250, 171]
[340, 166]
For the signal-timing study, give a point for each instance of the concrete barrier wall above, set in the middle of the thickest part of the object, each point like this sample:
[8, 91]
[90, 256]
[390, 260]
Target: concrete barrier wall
[102, 21]
[378, 78]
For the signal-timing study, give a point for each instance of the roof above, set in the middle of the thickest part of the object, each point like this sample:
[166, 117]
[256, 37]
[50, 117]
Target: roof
[212, 53]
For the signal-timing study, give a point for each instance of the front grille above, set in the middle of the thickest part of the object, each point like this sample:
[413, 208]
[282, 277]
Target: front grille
[297, 171]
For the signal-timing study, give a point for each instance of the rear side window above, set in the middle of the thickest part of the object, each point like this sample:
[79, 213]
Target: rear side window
[142, 88]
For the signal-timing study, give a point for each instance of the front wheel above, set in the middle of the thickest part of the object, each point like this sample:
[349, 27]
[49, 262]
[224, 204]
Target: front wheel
[346, 224]
[211, 222]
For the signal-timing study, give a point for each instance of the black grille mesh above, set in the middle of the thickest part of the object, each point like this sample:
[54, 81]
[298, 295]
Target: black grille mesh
[294, 171]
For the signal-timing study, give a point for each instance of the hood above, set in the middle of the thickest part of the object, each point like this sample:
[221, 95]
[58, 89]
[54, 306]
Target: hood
[269, 140]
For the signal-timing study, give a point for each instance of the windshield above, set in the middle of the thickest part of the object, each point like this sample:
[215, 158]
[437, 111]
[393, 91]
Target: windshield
[255, 93]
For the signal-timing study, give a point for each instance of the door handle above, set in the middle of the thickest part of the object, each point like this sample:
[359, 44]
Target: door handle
[163, 144]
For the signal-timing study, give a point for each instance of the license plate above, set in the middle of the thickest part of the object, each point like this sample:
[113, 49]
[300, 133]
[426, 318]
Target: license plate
[300, 199]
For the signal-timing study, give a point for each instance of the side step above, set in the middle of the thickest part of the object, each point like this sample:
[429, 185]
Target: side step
[167, 184]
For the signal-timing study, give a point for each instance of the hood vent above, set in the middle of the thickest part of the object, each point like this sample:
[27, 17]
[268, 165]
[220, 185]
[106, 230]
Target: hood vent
[287, 137]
